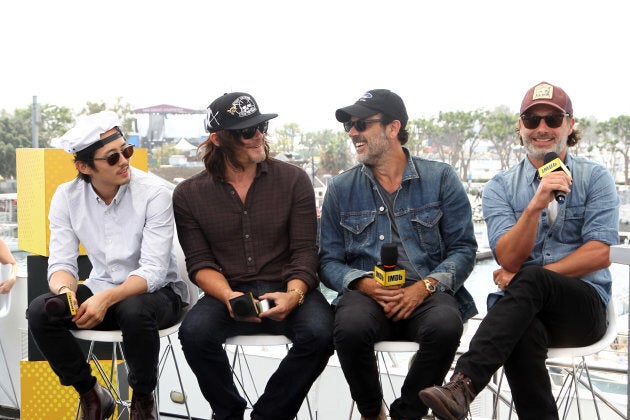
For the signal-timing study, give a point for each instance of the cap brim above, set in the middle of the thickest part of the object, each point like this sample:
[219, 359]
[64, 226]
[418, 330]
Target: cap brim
[355, 110]
[539, 102]
[253, 121]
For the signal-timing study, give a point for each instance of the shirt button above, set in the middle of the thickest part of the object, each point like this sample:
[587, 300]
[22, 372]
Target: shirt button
[246, 236]
[381, 237]
[249, 259]
[381, 208]
[245, 212]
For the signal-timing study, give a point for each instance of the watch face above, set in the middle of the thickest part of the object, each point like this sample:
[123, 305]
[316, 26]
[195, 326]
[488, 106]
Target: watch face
[430, 286]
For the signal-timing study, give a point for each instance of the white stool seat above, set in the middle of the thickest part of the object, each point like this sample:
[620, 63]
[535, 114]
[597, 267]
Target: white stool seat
[258, 340]
[240, 341]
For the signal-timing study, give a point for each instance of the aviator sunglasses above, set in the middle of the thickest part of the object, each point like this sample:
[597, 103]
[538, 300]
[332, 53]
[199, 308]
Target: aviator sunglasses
[249, 132]
[533, 121]
[113, 159]
[360, 125]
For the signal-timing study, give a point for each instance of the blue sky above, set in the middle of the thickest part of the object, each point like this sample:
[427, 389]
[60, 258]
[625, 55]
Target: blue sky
[303, 60]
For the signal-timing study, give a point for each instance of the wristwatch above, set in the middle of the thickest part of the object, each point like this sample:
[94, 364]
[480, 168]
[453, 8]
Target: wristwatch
[430, 286]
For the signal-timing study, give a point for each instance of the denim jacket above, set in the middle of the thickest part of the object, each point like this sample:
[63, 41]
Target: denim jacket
[590, 213]
[433, 216]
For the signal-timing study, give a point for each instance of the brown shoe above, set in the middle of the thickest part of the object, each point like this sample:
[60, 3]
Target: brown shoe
[451, 401]
[381, 415]
[97, 404]
[143, 407]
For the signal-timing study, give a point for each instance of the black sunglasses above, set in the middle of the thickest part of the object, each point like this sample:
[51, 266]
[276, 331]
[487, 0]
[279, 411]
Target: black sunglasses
[249, 132]
[113, 159]
[533, 121]
[360, 125]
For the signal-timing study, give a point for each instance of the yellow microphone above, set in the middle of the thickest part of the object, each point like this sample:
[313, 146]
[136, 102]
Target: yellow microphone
[552, 164]
[388, 273]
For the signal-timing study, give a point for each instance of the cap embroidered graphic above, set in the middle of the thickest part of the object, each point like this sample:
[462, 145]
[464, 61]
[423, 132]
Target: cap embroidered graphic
[543, 91]
[243, 106]
[211, 118]
[234, 111]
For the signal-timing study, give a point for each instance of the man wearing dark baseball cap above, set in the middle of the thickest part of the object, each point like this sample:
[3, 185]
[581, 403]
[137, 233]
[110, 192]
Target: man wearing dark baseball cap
[554, 283]
[421, 207]
[248, 224]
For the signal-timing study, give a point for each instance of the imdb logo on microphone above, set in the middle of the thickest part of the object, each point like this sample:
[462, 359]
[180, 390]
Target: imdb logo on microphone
[389, 277]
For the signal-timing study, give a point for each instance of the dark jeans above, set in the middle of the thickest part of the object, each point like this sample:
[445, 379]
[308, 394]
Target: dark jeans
[206, 327]
[360, 322]
[138, 317]
[540, 309]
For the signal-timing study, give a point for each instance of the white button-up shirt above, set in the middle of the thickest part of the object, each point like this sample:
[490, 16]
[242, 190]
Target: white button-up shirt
[133, 235]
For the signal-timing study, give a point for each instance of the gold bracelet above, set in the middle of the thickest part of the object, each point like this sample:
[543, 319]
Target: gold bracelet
[299, 292]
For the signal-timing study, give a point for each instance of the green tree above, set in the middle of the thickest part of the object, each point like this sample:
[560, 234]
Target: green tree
[458, 135]
[615, 135]
[16, 131]
[123, 110]
[335, 153]
[286, 137]
[500, 130]
[422, 135]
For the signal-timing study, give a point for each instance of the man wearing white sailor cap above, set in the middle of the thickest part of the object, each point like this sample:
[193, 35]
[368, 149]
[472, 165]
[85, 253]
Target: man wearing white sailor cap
[124, 219]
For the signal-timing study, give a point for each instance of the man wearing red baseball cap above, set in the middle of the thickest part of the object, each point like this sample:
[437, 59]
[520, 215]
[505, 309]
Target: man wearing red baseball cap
[553, 254]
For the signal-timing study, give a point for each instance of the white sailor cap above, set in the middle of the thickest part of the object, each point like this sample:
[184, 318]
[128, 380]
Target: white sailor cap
[87, 132]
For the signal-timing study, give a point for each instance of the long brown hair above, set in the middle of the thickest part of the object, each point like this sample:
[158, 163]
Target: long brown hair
[215, 158]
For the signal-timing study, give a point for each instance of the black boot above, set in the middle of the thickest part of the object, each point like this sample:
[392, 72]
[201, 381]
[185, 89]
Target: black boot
[97, 404]
[143, 407]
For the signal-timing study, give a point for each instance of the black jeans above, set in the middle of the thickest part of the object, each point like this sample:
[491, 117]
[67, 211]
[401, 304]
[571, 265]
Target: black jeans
[540, 309]
[206, 327]
[138, 317]
[360, 322]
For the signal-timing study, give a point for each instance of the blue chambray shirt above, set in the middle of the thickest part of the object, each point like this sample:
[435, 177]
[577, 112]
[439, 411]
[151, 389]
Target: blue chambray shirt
[433, 216]
[590, 213]
[131, 236]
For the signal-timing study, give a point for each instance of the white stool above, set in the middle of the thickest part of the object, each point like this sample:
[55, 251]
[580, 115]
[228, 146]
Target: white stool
[240, 341]
[114, 337]
[382, 347]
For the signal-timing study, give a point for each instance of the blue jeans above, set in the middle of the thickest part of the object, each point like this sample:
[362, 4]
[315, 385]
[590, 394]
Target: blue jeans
[540, 309]
[360, 322]
[208, 324]
[139, 318]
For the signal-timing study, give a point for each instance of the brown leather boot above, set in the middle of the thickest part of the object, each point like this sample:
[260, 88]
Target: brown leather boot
[143, 407]
[97, 404]
[451, 401]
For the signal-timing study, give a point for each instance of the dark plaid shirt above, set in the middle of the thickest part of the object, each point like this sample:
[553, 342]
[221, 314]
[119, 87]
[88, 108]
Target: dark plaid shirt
[271, 237]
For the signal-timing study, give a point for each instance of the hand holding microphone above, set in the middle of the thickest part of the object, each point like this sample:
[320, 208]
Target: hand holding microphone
[60, 307]
[553, 163]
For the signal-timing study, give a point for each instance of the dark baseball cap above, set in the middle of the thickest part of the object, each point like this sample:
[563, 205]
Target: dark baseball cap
[372, 102]
[546, 93]
[234, 111]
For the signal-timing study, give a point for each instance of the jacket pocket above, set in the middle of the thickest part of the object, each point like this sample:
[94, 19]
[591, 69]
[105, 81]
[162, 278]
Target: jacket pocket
[426, 223]
[357, 230]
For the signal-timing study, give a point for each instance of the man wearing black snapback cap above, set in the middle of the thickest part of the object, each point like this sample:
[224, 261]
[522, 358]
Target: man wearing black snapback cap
[248, 224]
[419, 205]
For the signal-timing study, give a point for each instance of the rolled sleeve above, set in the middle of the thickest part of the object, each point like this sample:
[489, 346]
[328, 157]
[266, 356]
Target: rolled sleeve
[157, 242]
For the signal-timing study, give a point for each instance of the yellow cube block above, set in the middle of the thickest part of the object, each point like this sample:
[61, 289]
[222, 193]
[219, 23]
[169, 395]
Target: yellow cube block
[38, 173]
[43, 397]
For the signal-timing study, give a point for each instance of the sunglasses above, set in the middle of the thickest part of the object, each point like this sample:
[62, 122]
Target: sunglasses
[249, 132]
[360, 125]
[553, 121]
[113, 159]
